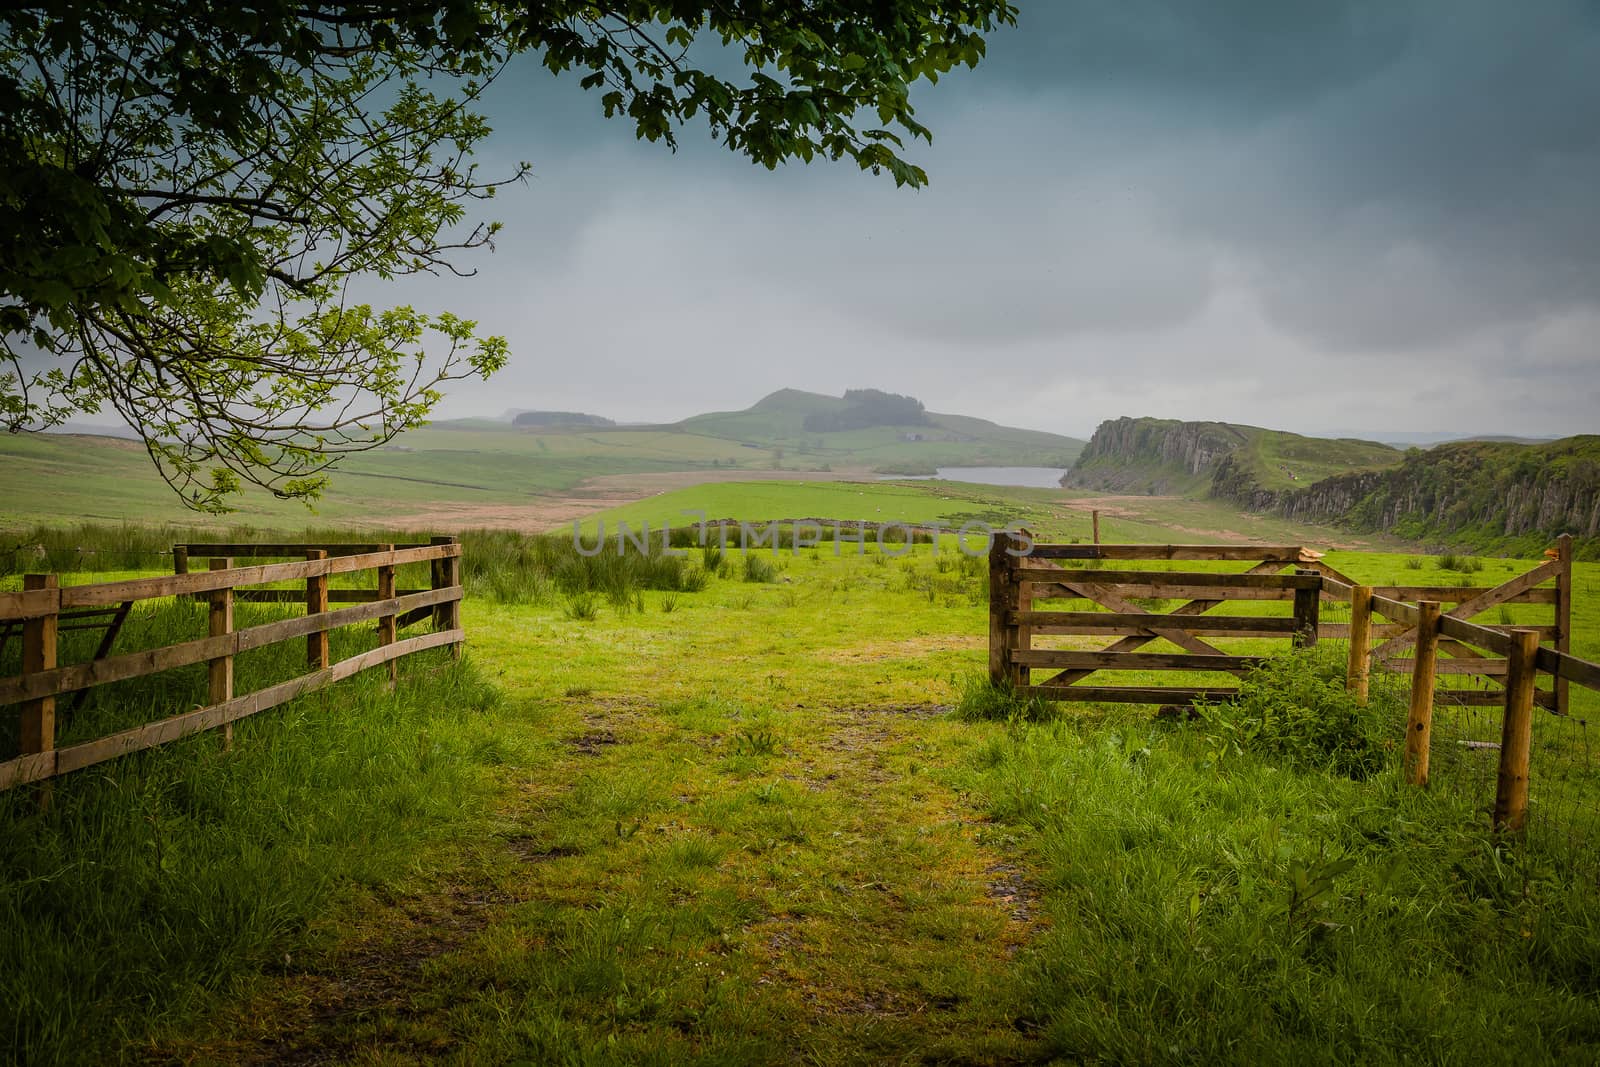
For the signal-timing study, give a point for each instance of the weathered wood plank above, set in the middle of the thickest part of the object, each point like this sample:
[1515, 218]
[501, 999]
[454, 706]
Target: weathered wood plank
[386, 622]
[1397, 610]
[1329, 630]
[1570, 668]
[1563, 640]
[1133, 661]
[1486, 698]
[1000, 606]
[1475, 605]
[1486, 667]
[1495, 641]
[1327, 570]
[1128, 694]
[1065, 590]
[1286, 554]
[1419, 721]
[1358, 660]
[1068, 576]
[137, 664]
[244, 550]
[298, 596]
[1446, 594]
[1516, 734]
[37, 725]
[76, 757]
[30, 603]
[1335, 590]
[317, 604]
[82, 596]
[1095, 621]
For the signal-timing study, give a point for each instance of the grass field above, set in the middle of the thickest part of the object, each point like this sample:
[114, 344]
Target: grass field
[746, 820]
[448, 472]
[1055, 514]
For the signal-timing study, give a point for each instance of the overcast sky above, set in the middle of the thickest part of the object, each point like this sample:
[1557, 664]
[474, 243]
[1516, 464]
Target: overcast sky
[1345, 217]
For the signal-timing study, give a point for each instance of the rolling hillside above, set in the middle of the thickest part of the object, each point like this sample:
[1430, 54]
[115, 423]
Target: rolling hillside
[472, 465]
[777, 422]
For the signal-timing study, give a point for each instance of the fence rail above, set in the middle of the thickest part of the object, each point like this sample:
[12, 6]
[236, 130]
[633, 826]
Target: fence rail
[41, 605]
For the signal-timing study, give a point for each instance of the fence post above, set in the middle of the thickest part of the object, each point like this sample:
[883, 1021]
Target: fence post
[1094, 517]
[1307, 610]
[436, 581]
[220, 669]
[386, 627]
[38, 725]
[180, 563]
[317, 604]
[1419, 723]
[1563, 612]
[1000, 601]
[1357, 673]
[1516, 732]
[447, 575]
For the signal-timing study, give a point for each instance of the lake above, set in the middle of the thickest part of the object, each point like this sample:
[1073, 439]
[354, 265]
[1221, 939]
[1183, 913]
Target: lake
[1029, 477]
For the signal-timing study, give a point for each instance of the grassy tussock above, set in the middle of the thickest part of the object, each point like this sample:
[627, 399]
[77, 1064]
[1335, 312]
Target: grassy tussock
[1219, 905]
[158, 878]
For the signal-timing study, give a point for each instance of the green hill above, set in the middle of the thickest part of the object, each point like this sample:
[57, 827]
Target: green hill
[470, 463]
[777, 423]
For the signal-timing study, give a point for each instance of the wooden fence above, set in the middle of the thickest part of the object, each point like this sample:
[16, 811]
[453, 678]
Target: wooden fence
[1018, 579]
[1432, 629]
[1507, 657]
[41, 607]
[1550, 584]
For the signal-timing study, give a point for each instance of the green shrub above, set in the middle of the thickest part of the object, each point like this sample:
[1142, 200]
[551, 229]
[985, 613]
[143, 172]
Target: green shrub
[1295, 707]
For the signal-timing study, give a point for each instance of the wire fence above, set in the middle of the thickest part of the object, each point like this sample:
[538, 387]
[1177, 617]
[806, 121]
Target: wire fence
[1563, 820]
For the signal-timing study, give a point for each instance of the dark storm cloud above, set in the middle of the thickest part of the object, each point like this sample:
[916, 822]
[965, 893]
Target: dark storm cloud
[1165, 206]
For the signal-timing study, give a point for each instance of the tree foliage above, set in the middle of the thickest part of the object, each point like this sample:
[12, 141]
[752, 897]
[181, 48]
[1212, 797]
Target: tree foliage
[867, 408]
[188, 189]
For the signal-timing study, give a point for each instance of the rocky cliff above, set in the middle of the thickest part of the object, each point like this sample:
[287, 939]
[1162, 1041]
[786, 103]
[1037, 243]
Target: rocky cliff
[1489, 495]
[1153, 455]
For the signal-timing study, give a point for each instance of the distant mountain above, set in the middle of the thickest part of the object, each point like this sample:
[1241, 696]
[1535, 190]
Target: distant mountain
[1411, 439]
[886, 432]
[558, 418]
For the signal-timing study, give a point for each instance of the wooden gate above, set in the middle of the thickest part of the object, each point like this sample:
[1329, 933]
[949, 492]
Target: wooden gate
[1018, 579]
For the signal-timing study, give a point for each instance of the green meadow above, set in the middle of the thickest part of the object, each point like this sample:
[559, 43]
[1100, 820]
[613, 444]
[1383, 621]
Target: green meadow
[760, 806]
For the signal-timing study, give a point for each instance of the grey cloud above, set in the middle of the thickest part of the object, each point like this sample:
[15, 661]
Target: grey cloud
[1212, 209]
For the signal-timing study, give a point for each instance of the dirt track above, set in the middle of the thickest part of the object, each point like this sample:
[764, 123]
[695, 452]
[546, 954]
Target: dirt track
[596, 494]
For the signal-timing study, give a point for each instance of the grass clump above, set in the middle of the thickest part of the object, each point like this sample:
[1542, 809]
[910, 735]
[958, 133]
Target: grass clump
[1254, 913]
[1295, 707]
[759, 569]
[1450, 561]
[581, 607]
[982, 700]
